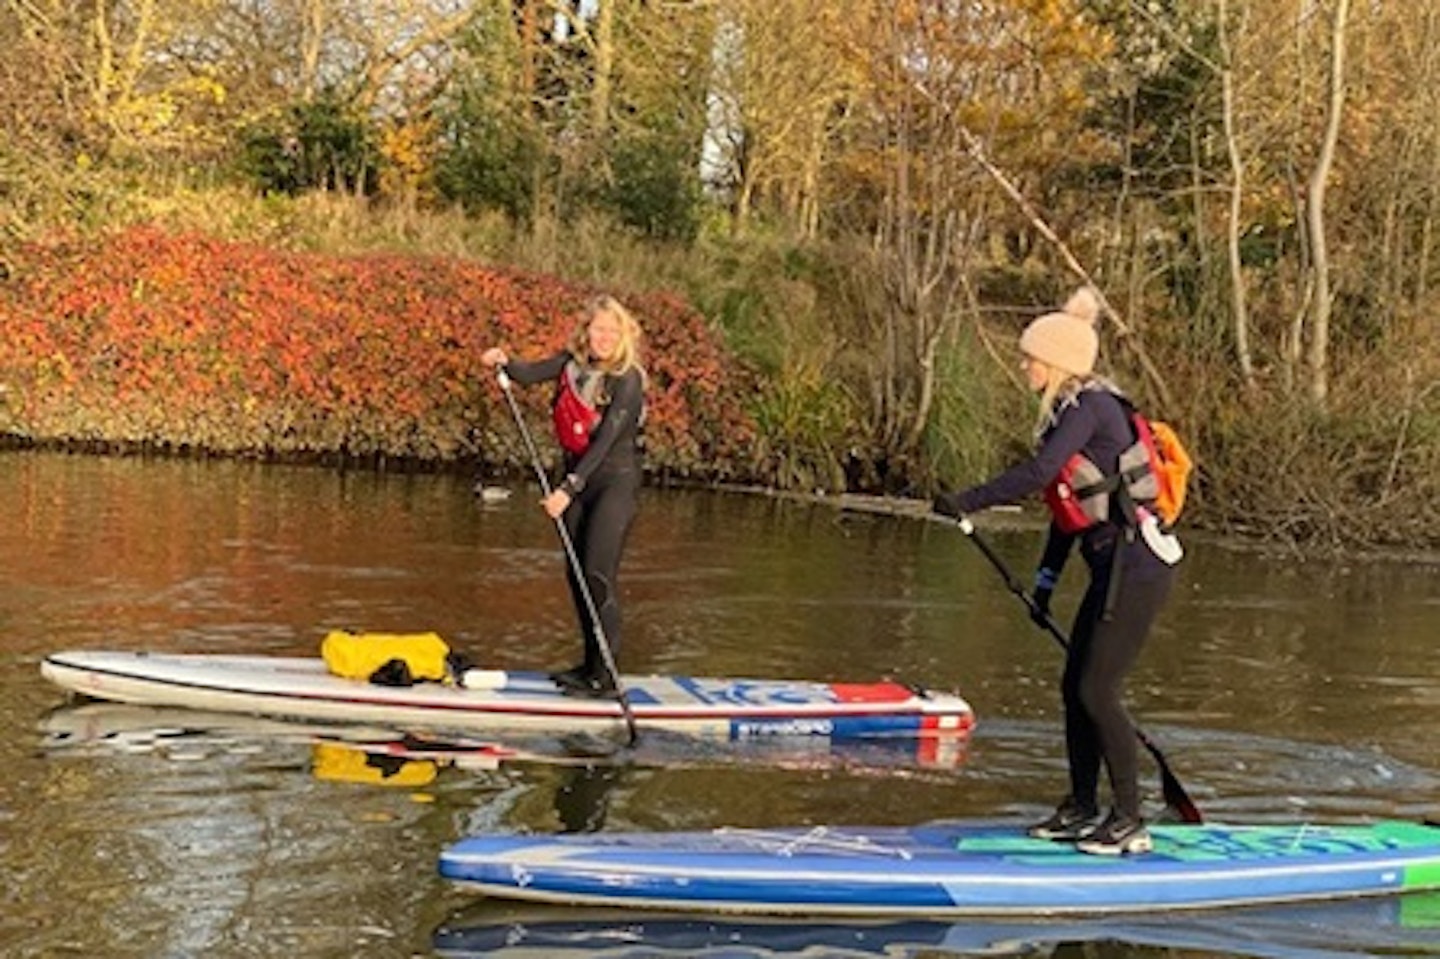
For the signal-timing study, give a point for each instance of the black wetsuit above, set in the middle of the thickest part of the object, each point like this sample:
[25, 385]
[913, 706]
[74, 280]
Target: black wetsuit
[1104, 643]
[604, 483]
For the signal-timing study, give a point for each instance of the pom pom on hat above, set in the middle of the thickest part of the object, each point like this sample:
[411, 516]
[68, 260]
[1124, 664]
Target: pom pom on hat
[1083, 305]
[1066, 340]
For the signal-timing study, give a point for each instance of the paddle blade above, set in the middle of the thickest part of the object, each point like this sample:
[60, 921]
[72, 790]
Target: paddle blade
[1175, 795]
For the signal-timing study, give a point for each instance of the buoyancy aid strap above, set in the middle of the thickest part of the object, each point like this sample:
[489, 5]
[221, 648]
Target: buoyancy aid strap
[1117, 485]
[1129, 509]
[1117, 569]
[1106, 484]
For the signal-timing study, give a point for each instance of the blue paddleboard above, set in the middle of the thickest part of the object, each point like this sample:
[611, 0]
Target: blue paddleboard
[948, 869]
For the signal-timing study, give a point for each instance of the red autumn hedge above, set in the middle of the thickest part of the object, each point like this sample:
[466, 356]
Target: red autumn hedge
[154, 339]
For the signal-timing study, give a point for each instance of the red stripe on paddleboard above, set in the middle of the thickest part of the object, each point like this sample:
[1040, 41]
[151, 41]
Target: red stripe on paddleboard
[871, 692]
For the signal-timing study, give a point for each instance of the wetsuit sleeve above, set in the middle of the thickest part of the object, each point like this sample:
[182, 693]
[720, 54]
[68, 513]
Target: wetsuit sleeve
[1074, 429]
[529, 373]
[621, 414]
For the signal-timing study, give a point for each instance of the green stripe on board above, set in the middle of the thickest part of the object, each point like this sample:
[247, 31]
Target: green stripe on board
[1195, 844]
[1406, 833]
[1425, 875]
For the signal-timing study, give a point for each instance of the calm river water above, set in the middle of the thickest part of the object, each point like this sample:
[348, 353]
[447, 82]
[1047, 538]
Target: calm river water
[1279, 689]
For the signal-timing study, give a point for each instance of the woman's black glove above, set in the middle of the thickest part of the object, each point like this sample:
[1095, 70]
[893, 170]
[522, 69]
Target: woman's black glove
[1045, 580]
[1040, 607]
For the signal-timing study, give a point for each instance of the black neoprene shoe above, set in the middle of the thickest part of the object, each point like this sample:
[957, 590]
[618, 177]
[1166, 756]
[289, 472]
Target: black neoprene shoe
[1070, 822]
[1118, 835]
[591, 687]
[574, 676]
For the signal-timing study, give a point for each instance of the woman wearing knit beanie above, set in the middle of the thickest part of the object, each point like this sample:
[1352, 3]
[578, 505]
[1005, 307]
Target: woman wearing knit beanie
[1084, 426]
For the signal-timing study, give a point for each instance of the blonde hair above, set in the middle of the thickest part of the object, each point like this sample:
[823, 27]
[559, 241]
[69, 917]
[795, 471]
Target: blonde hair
[627, 351]
[1060, 388]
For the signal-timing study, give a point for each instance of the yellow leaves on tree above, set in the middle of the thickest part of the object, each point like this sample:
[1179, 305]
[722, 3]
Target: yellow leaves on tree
[408, 148]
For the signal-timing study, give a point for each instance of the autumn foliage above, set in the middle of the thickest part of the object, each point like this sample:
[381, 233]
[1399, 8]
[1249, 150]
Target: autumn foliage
[156, 340]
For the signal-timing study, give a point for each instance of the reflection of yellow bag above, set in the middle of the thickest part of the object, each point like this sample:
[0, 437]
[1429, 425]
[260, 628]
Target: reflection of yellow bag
[360, 655]
[346, 764]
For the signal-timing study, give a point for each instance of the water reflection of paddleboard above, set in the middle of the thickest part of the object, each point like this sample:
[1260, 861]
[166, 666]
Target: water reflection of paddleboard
[100, 727]
[93, 727]
[1398, 925]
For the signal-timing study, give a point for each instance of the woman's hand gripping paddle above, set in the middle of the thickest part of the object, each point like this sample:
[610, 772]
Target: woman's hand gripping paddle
[1175, 795]
[604, 643]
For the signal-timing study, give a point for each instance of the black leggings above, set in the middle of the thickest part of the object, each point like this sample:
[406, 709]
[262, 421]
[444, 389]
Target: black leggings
[1102, 651]
[598, 522]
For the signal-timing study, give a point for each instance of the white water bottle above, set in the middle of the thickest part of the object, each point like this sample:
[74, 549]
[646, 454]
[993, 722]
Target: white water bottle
[483, 679]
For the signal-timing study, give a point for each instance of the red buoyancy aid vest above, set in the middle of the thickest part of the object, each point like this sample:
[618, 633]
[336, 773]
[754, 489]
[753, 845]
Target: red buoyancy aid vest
[576, 414]
[1152, 471]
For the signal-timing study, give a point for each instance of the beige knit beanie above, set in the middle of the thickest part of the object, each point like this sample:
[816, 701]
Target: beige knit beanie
[1066, 340]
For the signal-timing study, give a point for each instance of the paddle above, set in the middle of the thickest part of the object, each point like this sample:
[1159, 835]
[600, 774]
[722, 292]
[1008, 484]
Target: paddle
[504, 380]
[1175, 795]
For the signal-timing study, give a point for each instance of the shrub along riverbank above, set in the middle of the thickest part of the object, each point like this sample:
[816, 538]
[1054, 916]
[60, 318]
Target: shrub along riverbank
[173, 339]
[149, 340]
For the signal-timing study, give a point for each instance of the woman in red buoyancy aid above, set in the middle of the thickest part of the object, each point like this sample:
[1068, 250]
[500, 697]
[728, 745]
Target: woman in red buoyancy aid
[598, 408]
[1085, 429]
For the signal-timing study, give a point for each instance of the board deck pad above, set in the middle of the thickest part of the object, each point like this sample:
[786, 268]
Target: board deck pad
[951, 868]
[724, 709]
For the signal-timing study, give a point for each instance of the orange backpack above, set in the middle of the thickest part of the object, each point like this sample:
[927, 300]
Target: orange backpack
[1171, 463]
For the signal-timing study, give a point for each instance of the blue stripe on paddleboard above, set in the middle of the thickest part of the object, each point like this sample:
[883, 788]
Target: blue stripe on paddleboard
[838, 728]
[755, 693]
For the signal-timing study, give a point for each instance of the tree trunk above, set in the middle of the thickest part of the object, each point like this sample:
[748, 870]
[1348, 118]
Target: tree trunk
[604, 70]
[311, 42]
[1318, 355]
[1239, 311]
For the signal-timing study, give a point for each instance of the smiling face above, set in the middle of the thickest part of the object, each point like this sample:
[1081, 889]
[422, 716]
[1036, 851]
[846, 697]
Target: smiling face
[607, 336]
[603, 334]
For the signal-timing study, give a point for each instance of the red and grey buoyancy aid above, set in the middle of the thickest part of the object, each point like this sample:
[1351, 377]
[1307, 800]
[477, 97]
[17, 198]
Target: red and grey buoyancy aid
[577, 410]
[1080, 496]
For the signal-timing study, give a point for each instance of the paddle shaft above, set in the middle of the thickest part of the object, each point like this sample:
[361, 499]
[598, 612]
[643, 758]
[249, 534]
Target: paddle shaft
[574, 560]
[1175, 795]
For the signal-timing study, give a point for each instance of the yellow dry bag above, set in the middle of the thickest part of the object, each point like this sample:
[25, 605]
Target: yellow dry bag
[395, 657]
